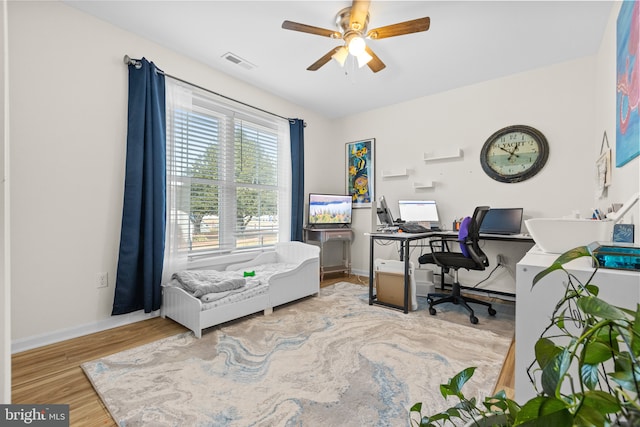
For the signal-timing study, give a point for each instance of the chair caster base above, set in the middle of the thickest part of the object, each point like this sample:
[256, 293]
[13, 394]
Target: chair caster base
[432, 311]
[473, 319]
[492, 312]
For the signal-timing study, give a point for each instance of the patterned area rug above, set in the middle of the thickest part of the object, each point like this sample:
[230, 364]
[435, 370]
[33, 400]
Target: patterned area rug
[331, 360]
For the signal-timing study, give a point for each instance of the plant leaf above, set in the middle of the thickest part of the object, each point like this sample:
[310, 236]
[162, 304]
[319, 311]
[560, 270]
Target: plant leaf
[438, 417]
[566, 257]
[460, 379]
[589, 375]
[624, 375]
[609, 336]
[600, 309]
[554, 371]
[588, 416]
[544, 412]
[545, 351]
[593, 289]
[635, 339]
[596, 352]
[602, 401]
[513, 410]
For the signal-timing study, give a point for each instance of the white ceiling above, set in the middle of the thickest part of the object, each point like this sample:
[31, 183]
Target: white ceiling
[468, 42]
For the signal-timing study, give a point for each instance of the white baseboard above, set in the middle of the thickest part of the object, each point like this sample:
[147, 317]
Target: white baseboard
[29, 343]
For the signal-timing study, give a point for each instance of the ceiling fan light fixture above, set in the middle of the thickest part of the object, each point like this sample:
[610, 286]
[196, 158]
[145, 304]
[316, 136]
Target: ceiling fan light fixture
[363, 59]
[341, 55]
[352, 24]
[357, 46]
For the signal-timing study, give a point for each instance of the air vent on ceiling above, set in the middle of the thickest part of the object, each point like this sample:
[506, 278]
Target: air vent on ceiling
[235, 59]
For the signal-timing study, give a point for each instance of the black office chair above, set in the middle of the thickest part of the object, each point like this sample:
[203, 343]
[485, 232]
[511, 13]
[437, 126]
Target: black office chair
[470, 257]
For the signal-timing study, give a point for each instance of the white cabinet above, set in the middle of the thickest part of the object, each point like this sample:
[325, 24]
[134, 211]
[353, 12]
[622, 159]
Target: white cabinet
[534, 306]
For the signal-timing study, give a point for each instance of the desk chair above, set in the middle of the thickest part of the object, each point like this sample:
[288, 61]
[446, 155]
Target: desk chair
[470, 257]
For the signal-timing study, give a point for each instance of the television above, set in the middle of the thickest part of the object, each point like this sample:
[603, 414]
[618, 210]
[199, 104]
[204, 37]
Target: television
[329, 210]
[384, 214]
[502, 221]
[418, 211]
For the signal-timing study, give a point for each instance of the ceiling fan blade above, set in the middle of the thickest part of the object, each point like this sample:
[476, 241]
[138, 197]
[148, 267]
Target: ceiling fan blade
[359, 13]
[375, 64]
[295, 26]
[326, 58]
[407, 27]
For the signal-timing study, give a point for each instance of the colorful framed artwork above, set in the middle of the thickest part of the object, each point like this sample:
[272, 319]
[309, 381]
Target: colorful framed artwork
[627, 83]
[360, 157]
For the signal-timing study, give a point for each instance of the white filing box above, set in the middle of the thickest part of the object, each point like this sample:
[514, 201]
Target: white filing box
[389, 282]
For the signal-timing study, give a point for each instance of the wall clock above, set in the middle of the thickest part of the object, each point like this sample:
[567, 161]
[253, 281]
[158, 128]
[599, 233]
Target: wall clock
[514, 153]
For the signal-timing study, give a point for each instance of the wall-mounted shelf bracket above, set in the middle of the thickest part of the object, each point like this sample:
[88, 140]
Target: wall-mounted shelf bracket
[454, 154]
[423, 185]
[395, 173]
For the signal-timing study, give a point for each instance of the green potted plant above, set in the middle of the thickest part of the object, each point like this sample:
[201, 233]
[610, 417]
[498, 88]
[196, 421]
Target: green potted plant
[587, 375]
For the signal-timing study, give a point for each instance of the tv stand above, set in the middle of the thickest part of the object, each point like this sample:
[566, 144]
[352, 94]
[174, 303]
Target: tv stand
[322, 236]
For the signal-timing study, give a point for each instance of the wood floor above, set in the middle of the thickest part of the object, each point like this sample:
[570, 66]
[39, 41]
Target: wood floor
[52, 374]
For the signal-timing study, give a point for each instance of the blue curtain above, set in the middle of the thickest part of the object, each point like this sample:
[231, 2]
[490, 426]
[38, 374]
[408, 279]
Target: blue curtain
[296, 127]
[138, 279]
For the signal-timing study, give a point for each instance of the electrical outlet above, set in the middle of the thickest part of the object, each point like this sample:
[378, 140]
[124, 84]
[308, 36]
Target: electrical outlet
[500, 259]
[102, 280]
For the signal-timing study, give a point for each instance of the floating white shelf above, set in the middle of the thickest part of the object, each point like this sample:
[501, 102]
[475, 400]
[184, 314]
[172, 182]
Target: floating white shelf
[457, 153]
[421, 185]
[395, 173]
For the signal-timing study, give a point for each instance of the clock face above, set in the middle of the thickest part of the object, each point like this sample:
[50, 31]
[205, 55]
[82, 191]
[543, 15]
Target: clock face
[514, 153]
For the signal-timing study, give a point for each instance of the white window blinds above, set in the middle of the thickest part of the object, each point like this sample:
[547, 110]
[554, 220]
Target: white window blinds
[228, 172]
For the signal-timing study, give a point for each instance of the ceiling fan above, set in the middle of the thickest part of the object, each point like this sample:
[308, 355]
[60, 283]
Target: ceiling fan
[352, 23]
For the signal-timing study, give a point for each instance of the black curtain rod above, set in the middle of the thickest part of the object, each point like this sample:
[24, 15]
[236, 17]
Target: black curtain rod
[136, 62]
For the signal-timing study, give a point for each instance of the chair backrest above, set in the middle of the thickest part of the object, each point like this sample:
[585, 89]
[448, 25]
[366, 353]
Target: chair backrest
[463, 234]
[473, 237]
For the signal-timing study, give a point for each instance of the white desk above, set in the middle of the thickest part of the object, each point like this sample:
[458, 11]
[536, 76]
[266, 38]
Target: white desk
[534, 306]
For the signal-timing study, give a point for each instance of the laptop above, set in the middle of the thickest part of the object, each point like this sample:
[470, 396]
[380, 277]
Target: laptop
[504, 221]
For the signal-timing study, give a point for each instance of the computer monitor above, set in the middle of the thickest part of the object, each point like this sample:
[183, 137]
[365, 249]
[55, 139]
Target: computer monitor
[384, 214]
[329, 210]
[502, 221]
[418, 211]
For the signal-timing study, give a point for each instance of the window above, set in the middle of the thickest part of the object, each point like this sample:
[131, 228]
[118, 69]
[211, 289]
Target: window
[228, 174]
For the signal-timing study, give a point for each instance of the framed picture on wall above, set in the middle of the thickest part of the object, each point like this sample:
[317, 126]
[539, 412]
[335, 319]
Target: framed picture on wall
[360, 156]
[627, 75]
[603, 165]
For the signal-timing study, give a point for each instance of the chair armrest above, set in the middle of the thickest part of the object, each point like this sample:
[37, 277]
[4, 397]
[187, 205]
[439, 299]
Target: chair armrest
[441, 243]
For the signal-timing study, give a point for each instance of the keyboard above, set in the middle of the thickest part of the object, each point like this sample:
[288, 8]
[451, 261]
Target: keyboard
[387, 229]
[409, 227]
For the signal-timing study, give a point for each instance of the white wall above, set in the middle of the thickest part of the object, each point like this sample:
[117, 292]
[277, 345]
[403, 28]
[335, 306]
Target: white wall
[552, 99]
[5, 300]
[626, 179]
[68, 121]
[571, 103]
[68, 144]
